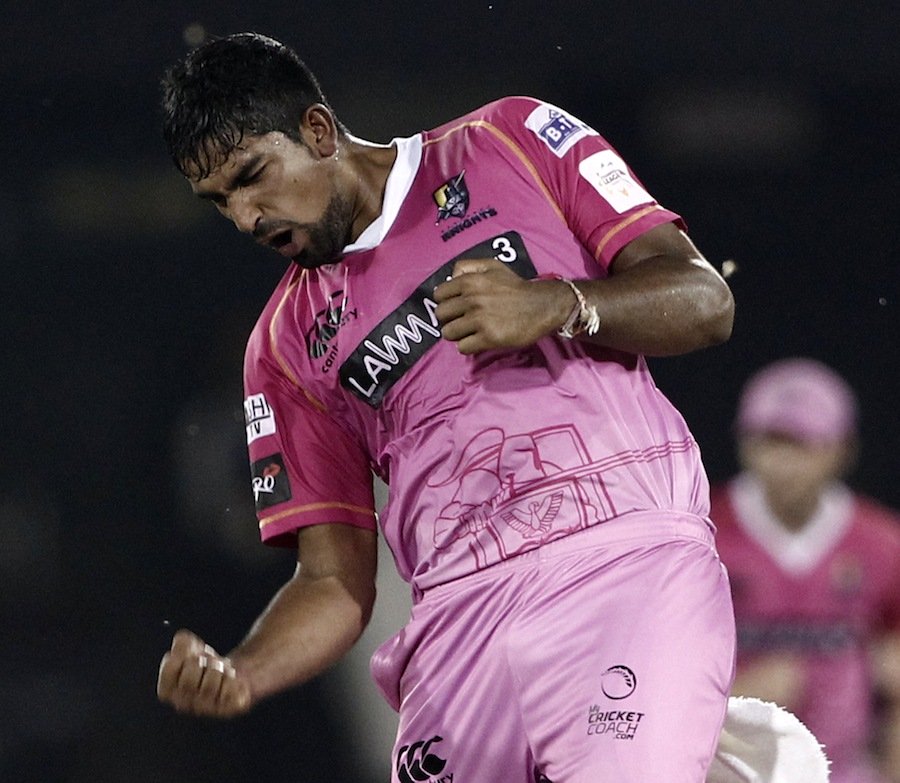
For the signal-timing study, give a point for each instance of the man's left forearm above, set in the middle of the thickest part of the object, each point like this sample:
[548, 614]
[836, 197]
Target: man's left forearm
[662, 306]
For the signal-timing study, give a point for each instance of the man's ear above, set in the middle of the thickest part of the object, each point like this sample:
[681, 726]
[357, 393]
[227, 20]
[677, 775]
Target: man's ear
[319, 130]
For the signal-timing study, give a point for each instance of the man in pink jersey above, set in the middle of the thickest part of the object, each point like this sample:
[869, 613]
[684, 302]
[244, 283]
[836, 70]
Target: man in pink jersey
[814, 568]
[466, 313]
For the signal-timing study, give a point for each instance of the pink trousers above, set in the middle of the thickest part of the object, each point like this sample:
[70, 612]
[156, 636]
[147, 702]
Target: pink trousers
[606, 656]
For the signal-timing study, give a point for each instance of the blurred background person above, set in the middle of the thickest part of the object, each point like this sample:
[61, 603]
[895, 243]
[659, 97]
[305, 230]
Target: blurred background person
[814, 567]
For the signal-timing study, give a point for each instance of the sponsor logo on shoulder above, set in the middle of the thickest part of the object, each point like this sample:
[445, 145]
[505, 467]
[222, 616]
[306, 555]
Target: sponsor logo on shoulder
[270, 482]
[557, 129]
[258, 416]
[609, 176]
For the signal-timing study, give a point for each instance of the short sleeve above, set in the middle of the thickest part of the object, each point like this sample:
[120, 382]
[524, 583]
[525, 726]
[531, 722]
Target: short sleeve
[305, 468]
[600, 197]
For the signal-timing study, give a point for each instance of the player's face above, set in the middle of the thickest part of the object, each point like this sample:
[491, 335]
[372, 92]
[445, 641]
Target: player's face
[288, 198]
[793, 472]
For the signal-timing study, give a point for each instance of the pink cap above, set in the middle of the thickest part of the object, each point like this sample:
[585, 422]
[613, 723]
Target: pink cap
[800, 398]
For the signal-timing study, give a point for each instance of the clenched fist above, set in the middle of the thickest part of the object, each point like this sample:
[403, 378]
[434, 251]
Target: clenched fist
[485, 305]
[195, 679]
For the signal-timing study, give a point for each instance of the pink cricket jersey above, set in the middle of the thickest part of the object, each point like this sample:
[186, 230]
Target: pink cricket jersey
[822, 593]
[486, 456]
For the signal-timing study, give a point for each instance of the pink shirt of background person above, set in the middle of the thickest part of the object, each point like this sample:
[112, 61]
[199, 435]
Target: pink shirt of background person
[814, 568]
[487, 457]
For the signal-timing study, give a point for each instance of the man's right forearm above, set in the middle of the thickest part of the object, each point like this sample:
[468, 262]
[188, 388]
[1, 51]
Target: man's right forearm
[309, 625]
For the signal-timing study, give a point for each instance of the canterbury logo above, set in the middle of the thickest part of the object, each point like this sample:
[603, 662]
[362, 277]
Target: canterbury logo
[416, 763]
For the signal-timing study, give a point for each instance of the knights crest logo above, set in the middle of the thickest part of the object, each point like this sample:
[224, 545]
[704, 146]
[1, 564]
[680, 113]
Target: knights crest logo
[452, 198]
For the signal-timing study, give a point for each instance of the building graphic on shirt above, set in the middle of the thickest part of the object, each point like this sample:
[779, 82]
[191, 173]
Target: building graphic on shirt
[515, 492]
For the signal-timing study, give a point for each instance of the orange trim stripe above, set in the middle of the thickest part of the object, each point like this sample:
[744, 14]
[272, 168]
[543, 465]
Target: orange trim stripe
[313, 507]
[620, 226]
[517, 151]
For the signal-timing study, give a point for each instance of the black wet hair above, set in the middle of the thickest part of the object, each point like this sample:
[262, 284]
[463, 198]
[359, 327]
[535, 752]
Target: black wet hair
[229, 87]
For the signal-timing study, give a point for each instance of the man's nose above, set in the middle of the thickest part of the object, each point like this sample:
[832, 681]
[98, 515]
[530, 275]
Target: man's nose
[244, 215]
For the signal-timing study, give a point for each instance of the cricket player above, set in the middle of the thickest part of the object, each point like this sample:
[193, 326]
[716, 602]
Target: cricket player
[814, 566]
[465, 312]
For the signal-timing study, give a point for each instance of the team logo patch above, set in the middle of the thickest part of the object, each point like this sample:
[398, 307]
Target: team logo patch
[404, 337]
[609, 176]
[558, 130]
[271, 485]
[452, 198]
[467, 222]
[258, 416]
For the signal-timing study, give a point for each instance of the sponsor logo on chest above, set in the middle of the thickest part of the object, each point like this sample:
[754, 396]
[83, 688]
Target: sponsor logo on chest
[404, 336]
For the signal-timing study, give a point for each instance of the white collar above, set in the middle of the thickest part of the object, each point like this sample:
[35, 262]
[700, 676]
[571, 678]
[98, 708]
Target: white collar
[798, 552]
[399, 181]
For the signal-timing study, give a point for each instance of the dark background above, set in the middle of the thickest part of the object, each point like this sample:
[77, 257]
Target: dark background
[772, 127]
